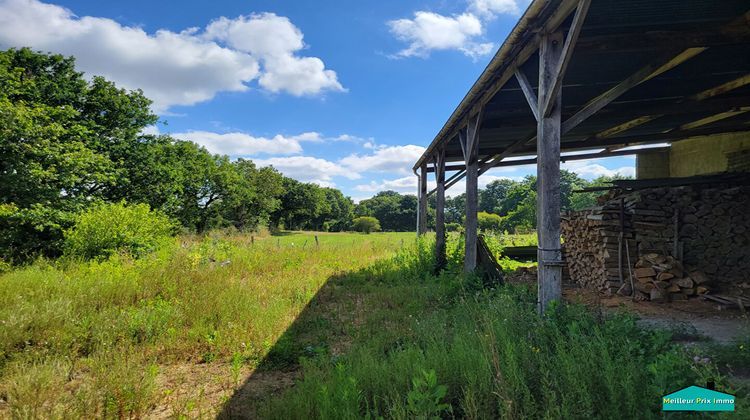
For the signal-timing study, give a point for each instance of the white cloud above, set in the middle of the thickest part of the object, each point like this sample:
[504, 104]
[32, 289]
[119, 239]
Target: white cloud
[590, 169]
[429, 31]
[491, 8]
[151, 130]
[173, 68]
[405, 185]
[354, 139]
[309, 169]
[242, 144]
[275, 40]
[394, 159]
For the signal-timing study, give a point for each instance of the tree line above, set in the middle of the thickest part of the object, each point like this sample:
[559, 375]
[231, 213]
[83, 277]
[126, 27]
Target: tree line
[68, 143]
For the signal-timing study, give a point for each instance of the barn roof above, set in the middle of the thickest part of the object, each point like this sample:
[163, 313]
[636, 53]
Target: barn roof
[665, 70]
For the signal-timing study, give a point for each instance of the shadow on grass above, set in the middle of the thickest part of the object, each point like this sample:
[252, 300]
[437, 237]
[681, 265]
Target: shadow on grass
[318, 330]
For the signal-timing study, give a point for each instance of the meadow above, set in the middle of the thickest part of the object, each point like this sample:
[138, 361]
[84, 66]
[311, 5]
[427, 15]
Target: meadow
[354, 326]
[105, 339]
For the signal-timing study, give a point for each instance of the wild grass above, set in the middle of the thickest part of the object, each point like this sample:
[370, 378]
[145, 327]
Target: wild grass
[358, 323]
[431, 347]
[88, 339]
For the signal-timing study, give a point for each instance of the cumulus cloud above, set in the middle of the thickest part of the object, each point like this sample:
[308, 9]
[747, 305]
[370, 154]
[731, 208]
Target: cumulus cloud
[173, 68]
[394, 159]
[309, 169]
[429, 31]
[243, 144]
[275, 41]
[590, 169]
[491, 8]
[406, 185]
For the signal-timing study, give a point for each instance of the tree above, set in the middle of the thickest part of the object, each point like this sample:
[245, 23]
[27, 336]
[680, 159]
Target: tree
[57, 137]
[455, 208]
[301, 205]
[339, 214]
[489, 221]
[492, 196]
[366, 224]
[253, 196]
[395, 212]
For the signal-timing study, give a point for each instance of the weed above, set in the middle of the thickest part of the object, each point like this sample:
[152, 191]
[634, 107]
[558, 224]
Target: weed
[424, 400]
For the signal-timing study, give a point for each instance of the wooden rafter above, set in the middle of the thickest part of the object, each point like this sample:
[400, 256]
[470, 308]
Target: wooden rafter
[528, 92]
[722, 88]
[627, 125]
[657, 67]
[566, 54]
[713, 118]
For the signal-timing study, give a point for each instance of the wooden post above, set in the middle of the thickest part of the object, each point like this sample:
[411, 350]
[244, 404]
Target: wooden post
[548, 174]
[440, 258]
[422, 211]
[470, 145]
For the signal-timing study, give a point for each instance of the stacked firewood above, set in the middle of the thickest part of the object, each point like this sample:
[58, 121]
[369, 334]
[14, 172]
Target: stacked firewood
[593, 246]
[659, 278]
[705, 227]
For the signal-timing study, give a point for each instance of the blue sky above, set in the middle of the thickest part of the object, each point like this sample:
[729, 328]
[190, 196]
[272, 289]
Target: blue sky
[341, 93]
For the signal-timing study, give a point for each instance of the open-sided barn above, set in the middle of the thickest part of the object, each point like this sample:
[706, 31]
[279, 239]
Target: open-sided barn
[581, 79]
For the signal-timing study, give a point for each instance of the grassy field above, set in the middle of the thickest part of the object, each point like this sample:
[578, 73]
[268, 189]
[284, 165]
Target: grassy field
[356, 327]
[112, 339]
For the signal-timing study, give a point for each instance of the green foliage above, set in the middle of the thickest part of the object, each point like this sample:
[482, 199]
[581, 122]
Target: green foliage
[424, 400]
[67, 142]
[453, 227]
[489, 221]
[109, 228]
[366, 224]
[83, 339]
[494, 194]
[395, 212]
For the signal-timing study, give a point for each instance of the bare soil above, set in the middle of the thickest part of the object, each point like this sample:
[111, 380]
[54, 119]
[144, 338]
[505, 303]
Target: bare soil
[692, 320]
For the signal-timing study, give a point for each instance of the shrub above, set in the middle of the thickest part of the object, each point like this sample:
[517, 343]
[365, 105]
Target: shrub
[453, 227]
[489, 221]
[109, 228]
[366, 224]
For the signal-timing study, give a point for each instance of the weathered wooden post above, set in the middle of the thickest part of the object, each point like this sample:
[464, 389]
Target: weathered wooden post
[317, 244]
[422, 198]
[548, 173]
[469, 139]
[440, 258]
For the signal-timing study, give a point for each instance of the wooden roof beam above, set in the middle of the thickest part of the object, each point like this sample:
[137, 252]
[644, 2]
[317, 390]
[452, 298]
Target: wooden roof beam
[565, 55]
[653, 69]
[713, 118]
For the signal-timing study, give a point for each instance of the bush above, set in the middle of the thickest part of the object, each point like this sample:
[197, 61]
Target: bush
[489, 221]
[453, 227]
[366, 224]
[109, 228]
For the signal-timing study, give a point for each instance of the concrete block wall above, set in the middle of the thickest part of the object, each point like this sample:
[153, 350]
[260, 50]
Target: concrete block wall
[698, 156]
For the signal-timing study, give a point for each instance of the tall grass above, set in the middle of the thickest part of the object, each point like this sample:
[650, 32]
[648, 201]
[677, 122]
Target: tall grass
[89, 339]
[490, 354]
[367, 328]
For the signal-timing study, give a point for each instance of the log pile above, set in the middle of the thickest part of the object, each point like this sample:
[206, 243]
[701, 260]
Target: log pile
[659, 278]
[593, 247]
[706, 228]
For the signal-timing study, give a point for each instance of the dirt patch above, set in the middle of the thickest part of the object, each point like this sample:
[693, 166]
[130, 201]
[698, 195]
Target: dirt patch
[258, 387]
[691, 320]
[204, 390]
